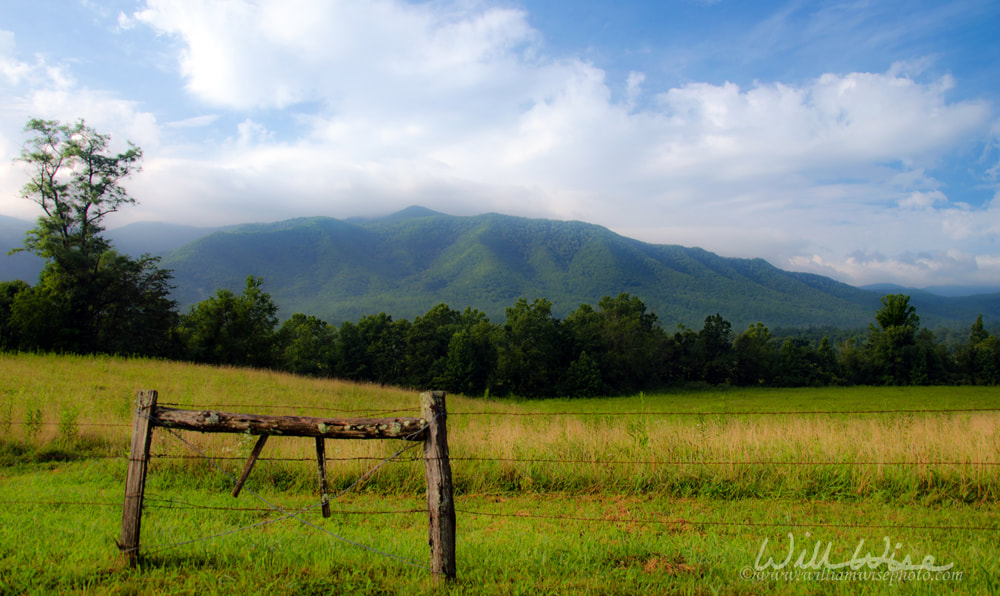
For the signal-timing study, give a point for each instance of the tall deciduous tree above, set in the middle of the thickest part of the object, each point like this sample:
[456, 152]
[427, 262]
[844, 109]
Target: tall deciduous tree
[89, 298]
[528, 354]
[714, 349]
[632, 340]
[306, 346]
[472, 355]
[427, 346]
[979, 358]
[233, 329]
[892, 346]
[385, 342]
[755, 356]
[76, 183]
[9, 337]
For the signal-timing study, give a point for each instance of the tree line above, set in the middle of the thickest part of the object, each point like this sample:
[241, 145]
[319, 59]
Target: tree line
[91, 299]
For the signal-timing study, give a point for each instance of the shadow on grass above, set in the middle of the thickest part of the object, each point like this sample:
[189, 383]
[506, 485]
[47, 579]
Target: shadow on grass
[14, 453]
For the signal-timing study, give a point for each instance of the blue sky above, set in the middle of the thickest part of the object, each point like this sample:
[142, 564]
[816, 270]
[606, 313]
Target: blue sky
[858, 140]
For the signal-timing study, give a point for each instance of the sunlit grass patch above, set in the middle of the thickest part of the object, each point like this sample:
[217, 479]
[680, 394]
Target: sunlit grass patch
[669, 493]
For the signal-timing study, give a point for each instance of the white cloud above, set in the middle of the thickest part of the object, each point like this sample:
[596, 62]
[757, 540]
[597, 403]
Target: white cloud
[456, 105]
[633, 87]
[193, 122]
[125, 22]
[275, 54]
[50, 90]
[923, 200]
[12, 69]
[252, 133]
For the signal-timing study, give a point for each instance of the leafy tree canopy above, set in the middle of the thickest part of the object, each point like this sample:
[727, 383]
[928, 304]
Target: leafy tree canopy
[89, 297]
[233, 329]
[76, 182]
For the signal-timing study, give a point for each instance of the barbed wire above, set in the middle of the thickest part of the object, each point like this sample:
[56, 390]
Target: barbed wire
[60, 503]
[167, 504]
[683, 462]
[158, 548]
[554, 460]
[380, 413]
[173, 504]
[296, 515]
[736, 413]
[602, 462]
[681, 522]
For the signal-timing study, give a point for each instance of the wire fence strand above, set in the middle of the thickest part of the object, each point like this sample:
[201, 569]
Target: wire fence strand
[734, 413]
[601, 462]
[748, 524]
[296, 515]
[287, 513]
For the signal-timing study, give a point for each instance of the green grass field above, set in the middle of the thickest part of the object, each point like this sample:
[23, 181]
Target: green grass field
[648, 494]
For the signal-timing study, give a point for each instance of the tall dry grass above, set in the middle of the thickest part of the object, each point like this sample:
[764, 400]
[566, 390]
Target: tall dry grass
[504, 446]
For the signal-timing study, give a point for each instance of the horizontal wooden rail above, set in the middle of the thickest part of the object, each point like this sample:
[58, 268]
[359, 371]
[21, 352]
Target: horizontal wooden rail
[431, 429]
[410, 429]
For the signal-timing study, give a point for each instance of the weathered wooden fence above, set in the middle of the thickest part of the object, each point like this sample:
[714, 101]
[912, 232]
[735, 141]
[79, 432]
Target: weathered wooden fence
[431, 428]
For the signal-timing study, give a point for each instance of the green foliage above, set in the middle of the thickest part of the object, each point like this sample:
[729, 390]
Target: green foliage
[69, 428]
[978, 360]
[631, 342]
[89, 298]
[232, 329]
[340, 271]
[556, 523]
[712, 350]
[583, 377]
[427, 342]
[385, 347]
[32, 421]
[472, 355]
[897, 312]
[306, 346]
[76, 183]
[9, 336]
[133, 311]
[895, 354]
[529, 351]
[754, 356]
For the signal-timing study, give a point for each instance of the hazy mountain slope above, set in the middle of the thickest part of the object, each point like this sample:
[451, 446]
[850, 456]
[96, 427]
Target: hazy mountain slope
[406, 263]
[132, 239]
[23, 266]
[155, 238]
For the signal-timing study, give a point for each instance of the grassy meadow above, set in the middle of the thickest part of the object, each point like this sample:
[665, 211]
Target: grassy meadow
[668, 493]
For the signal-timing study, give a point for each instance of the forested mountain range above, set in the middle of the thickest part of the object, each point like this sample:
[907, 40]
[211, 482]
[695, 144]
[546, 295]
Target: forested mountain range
[405, 263]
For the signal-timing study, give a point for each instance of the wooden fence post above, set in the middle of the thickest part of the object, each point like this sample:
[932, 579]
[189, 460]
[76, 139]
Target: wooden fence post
[321, 460]
[135, 480]
[437, 468]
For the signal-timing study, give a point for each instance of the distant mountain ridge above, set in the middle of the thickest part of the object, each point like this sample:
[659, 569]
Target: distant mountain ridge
[133, 239]
[405, 263]
[942, 291]
[23, 266]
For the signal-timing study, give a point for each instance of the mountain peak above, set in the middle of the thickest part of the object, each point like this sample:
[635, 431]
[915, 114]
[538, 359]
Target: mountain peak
[414, 211]
[411, 212]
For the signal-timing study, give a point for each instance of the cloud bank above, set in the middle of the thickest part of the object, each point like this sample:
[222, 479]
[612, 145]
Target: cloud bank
[356, 109]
